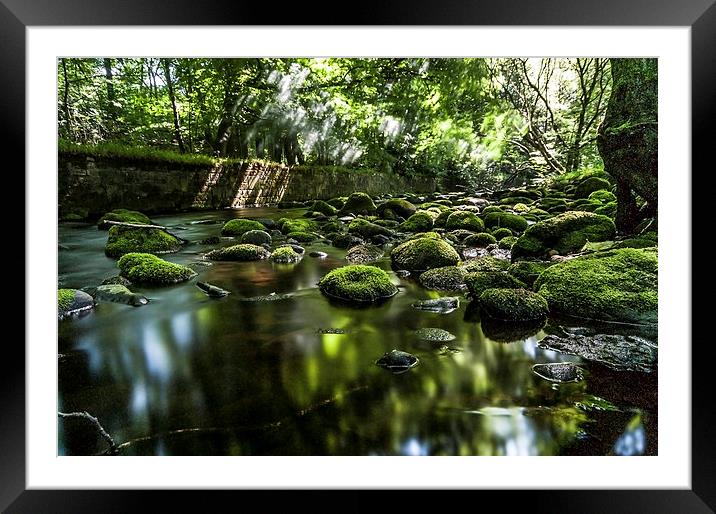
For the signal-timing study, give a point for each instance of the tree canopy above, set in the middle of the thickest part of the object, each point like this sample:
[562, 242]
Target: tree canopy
[486, 120]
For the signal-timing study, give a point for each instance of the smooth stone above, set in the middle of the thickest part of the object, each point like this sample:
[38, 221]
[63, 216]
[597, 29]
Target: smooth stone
[210, 240]
[559, 372]
[619, 352]
[81, 302]
[444, 305]
[296, 248]
[118, 279]
[118, 293]
[212, 290]
[435, 335]
[397, 362]
[267, 298]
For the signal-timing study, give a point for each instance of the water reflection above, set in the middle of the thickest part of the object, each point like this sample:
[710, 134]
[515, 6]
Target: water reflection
[258, 378]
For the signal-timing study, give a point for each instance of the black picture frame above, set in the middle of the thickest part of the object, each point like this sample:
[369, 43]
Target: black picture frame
[699, 15]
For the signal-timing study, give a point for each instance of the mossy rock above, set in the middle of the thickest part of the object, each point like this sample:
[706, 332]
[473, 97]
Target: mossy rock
[145, 268]
[513, 304]
[603, 196]
[609, 209]
[447, 278]
[333, 226]
[461, 234]
[506, 243]
[324, 208]
[565, 233]
[367, 229]
[528, 271]
[358, 283]
[429, 235]
[123, 216]
[387, 223]
[301, 237]
[480, 240]
[240, 252]
[514, 222]
[590, 185]
[492, 208]
[636, 242]
[485, 263]
[359, 203]
[364, 254]
[123, 240]
[338, 203]
[421, 221]
[238, 227]
[256, 237]
[479, 281]
[464, 220]
[72, 301]
[616, 285]
[502, 232]
[285, 255]
[549, 203]
[423, 253]
[514, 200]
[344, 240]
[586, 206]
[297, 225]
[402, 208]
[502, 331]
[441, 219]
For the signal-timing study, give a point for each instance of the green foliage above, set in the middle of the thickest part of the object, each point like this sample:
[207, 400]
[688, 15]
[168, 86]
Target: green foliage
[238, 227]
[357, 283]
[123, 240]
[513, 304]
[240, 252]
[424, 253]
[145, 268]
[617, 285]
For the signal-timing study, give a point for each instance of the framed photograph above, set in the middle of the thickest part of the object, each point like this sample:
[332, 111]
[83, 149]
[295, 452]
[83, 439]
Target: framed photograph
[421, 254]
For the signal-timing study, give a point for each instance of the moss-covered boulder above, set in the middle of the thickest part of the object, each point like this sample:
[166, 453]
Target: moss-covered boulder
[256, 237]
[616, 285]
[367, 229]
[603, 196]
[429, 235]
[514, 200]
[296, 225]
[502, 232]
[447, 278]
[72, 301]
[358, 283]
[486, 263]
[338, 203]
[145, 268]
[506, 243]
[480, 281]
[238, 227]
[528, 271]
[421, 221]
[333, 226]
[514, 222]
[513, 304]
[565, 233]
[492, 208]
[323, 207]
[285, 255]
[608, 209]
[422, 254]
[123, 240]
[344, 240]
[464, 220]
[402, 208]
[479, 240]
[441, 218]
[590, 185]
[123, 216]
[240, 252]
[301, 237]
[359, 203]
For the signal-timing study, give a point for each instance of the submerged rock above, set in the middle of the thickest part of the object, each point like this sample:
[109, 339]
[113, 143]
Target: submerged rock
[117, 293]
[444, 305]
[364, 254]
[559, 372]
[211, 290]
[435, 335]
[397, 362]
[213, 240]
[318, 255]
[619, 352]
[71, 302]
[358, 283]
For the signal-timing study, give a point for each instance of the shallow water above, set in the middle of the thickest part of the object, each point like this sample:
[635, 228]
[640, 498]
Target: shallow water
[191, 375]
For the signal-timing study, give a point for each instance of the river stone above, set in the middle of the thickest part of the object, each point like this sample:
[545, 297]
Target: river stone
[444, 305]
[435, 335]
[117, 279]
[300, 250]
[364, 254]
[211, 290]
[402, 273]
[318, 255]
[619, 352]
[559, 372]
[80, 302]
[118, 293]
[330, 331]
[213, 240]
[397, 362]
[273, 297]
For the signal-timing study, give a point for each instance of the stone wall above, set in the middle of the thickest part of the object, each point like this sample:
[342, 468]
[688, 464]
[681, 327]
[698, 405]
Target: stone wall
[91, 186]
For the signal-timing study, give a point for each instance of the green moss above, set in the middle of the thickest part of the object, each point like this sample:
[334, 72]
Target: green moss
[565, 233]
[423, 254]
[238, 227]
[585, 205]
[538, 213]
[358, 283]
[513, 304]
[323, 207]
[492, 208]
[256, 237]
[520, 207]
[550, 203]
[528, 271]
[301, 237]
[480, 240]
[589, 185]
[609, 209]
[65, 297]
[501, 232]
[618, 285]
[123, 216]
[398, 206]
[338, 203]
[465, 220]
[514, 222]
[447, 278]
[333, 226]
[429, 235]
[387, 223]
[421, 221]
[285, 255]
[441, 219]
[123, 240]
[512, 200]
[367, 229]
[343, 240]
[358, 203]
[506, 243]
[479, 281]
[145, 268]
[430, 205]
[240, 252]
[486, 263]
[603, 196]
[297, 225]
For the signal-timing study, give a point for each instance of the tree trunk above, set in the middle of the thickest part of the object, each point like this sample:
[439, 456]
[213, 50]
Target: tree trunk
[172, 98]
[65, 102]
